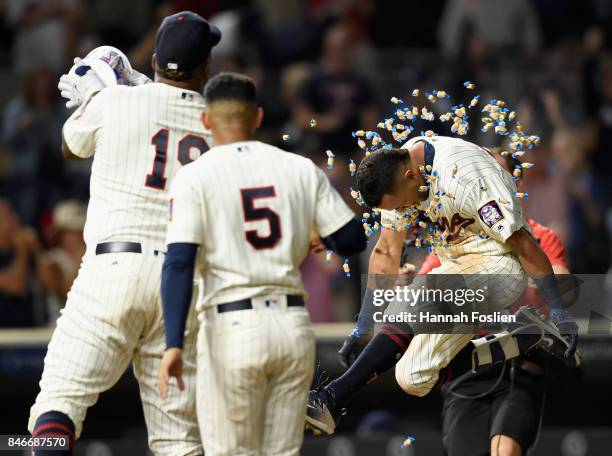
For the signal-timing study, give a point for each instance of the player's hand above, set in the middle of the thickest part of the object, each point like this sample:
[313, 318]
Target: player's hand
[135, 78]
[351, 348]
[315, 245]
[78, 86]
[171, 366]
[567, 327]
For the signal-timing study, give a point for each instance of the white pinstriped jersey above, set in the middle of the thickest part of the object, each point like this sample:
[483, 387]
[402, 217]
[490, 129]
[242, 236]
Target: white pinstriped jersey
[139, 138]
[251, 207]
[473, 199]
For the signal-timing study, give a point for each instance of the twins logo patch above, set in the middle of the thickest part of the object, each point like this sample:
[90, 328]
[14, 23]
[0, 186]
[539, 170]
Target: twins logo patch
[490, 213]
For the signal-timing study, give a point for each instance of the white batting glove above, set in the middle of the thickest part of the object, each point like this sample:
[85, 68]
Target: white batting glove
[135, 78]
[78, 85]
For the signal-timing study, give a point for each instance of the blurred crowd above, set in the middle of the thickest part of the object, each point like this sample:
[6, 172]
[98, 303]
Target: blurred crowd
[336, 62]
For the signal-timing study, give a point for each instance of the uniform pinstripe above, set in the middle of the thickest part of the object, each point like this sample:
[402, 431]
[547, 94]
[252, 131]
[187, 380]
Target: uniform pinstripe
[113, 313]
[254, 366]
[466, 178]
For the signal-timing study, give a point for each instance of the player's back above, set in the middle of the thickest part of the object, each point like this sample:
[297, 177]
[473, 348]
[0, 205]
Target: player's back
[259, 206]
[142, 136]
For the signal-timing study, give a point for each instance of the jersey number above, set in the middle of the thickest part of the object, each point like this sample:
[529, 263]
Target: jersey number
[253, 214]
[157, 179]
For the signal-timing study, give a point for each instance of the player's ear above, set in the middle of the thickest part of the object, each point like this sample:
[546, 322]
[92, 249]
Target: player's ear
[259, 117]
[409, 174]
[206, 120]
[153, 62]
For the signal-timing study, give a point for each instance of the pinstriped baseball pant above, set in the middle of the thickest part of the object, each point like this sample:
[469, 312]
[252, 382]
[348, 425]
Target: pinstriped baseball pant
[255, 368]
[418, 370]
[113, 316]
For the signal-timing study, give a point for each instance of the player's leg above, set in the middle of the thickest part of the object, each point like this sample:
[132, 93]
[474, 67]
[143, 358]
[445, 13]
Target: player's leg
[91, 345]
[293, 350]
[231, 382]
[502, 445]
[465, 417]
[171, 422]
[516, 414]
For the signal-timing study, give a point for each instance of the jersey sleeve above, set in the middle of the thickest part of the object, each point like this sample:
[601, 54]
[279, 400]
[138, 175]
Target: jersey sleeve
[82, 126]
[186, 211]
[331, 212]
[495, 204]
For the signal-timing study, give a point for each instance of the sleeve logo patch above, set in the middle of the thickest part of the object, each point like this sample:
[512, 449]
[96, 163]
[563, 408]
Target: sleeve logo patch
[490, 213]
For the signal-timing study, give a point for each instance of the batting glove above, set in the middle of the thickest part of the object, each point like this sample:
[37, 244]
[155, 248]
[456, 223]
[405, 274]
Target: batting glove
[567, 327]
[79, 86]
[351, 348]
[136, 78]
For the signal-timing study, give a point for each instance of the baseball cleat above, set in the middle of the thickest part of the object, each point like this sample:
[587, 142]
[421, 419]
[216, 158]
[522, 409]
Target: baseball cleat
[551, 340]
[321, 414]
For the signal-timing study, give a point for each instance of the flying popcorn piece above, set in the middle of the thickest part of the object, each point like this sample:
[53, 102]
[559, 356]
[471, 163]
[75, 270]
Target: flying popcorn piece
[454, 171]
[469, 85]
[368, 229]
[431, 97]
[330, 159]
[328, 256]
[423, 188]
[361, 143]
[430, 133]
[346, 268]
[417, 243]
[445, 117]
[365, 215]
[313, 123]
[527, 165]
[517, 172]
[376, 140]
[521, 195]
[474, 101]
[396, 100]
[511, 116]
[415, 93]
[441, 94]
[409, 441]
[408, 267]
[380, 125]
[518, 153]
[352, 167]
[286, 137]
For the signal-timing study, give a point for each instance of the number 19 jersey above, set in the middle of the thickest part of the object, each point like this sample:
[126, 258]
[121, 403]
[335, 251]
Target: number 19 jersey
[139, 138]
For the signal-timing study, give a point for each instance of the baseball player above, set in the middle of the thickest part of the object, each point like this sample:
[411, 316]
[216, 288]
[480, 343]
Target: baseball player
[244, 212]
[503, 403]
[139, 137]
[462, 189]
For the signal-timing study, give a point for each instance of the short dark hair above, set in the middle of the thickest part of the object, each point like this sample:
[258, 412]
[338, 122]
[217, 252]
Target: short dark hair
[230, 87]
[376, 174]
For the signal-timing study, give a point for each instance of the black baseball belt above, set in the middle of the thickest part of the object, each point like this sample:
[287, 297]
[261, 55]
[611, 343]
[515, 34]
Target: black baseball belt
[121, 247]
[246, 304]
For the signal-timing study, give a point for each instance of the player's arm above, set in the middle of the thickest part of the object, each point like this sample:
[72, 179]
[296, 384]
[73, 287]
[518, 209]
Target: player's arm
[384, 261]
[502, 219]
[81, 129]
[184, 236]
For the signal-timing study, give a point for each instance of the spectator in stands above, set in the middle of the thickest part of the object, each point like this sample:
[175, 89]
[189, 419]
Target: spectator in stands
[337, 97]
[18, 245]
[45, 33]
[32, 122]
[58, 267]
[504, 27]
